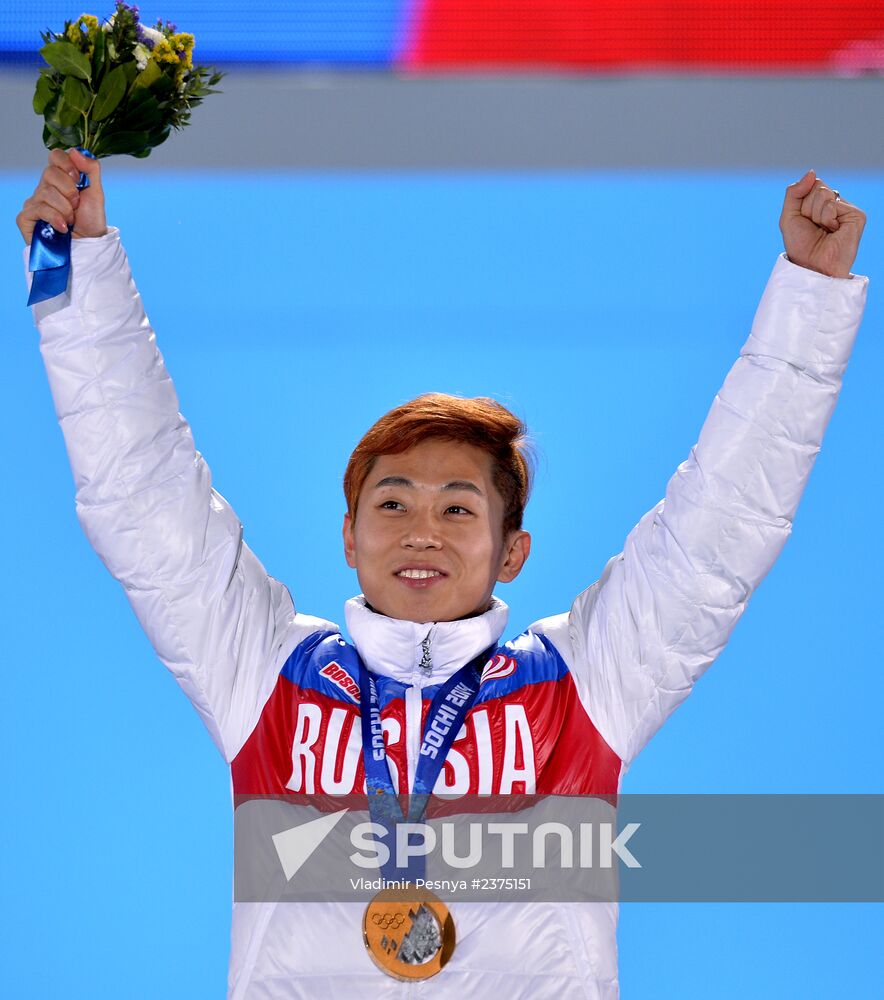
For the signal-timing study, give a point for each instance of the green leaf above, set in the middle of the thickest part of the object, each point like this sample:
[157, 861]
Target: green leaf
[137, 97]
[64, 137]
[67, 59]
[130, 68]
[49, 112]
[147, 76]
[163, 87]
[123, 142]
[141, 154]
[76, 95]
[43, 94]
[98, 55]
[158, 136]
[110, 93]
[144, 116]
[65, 115]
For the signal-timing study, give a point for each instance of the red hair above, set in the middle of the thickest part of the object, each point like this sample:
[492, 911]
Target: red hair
[481, 422]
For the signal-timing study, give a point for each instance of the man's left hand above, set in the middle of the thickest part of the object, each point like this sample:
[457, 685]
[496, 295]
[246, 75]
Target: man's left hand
[821, 231]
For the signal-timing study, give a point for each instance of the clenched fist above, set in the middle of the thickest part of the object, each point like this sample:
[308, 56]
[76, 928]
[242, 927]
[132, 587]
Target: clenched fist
[57, 201]
[821, 231]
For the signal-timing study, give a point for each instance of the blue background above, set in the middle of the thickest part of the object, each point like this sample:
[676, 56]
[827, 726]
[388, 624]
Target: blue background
[606, 309]
[342, 32]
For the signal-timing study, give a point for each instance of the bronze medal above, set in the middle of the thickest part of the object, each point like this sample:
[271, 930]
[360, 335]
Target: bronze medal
[409, 933]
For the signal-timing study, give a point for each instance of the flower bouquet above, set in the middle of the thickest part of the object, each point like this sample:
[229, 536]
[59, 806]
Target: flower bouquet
[118, 87]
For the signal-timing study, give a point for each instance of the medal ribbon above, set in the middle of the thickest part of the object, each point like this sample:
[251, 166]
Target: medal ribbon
[50, 259]
[448, 710]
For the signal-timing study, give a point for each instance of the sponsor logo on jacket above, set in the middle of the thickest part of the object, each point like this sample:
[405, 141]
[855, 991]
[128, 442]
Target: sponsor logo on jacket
[339, 677]
[497, 667]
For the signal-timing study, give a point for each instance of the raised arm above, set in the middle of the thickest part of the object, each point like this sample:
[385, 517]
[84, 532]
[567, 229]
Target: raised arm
[144, 494]
[664, 608]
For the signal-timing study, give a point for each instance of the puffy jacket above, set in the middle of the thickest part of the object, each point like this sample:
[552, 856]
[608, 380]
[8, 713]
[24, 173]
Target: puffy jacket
[572, 700]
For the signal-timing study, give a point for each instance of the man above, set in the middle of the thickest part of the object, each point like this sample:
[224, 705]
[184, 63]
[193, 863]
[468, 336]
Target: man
[435, 493]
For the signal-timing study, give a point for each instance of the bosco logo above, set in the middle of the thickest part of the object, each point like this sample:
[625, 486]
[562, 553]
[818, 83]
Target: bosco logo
[340, 678]
[498, 666]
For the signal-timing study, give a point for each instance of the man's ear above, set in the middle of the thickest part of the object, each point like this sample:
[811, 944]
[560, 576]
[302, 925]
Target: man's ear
[517, 551]
[349, 542]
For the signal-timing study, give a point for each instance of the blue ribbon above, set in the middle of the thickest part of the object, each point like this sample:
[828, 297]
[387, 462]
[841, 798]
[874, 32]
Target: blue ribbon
[50, 259]
[448, 710]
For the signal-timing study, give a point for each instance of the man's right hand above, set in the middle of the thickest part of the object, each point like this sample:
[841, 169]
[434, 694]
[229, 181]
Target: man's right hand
[57, 201]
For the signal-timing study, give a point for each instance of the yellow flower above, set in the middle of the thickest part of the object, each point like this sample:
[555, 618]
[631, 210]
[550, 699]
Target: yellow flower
[183, 42]
[164, 53]
[84, 39]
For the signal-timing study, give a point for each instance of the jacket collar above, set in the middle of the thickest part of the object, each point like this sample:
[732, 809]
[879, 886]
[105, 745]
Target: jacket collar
[396, 648]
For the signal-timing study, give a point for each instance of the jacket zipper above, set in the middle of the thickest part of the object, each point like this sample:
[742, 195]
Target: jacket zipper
[413, 704]
[426, 664]
[414, 707]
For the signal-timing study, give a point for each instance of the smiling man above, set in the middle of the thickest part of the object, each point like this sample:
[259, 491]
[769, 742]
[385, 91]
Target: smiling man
[439, 518]
[435, 495]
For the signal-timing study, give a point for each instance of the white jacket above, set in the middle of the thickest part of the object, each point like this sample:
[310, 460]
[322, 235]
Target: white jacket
[633, 643]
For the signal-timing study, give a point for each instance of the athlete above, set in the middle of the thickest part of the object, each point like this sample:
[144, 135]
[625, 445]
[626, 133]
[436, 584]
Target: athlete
[435, 493]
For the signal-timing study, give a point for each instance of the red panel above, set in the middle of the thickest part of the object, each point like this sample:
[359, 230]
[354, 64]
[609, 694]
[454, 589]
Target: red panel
[559, 746]
[842, 35]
